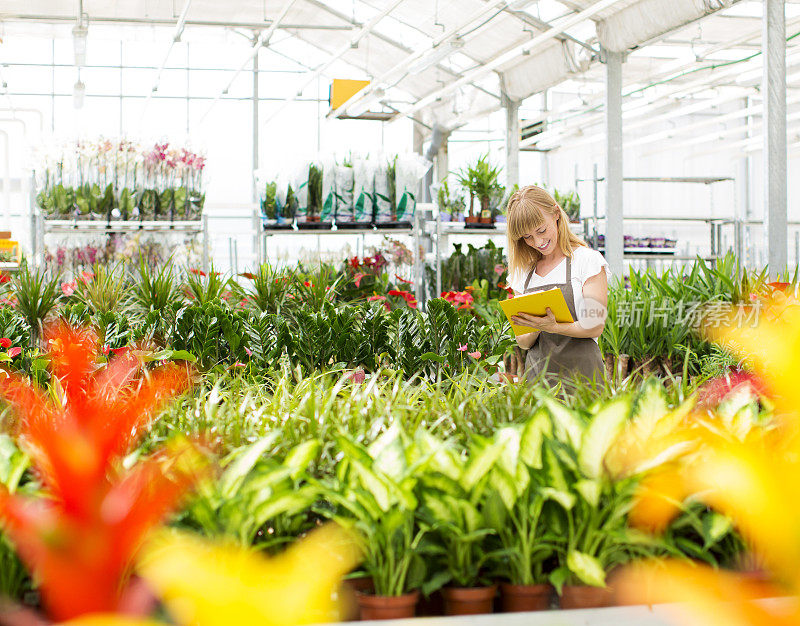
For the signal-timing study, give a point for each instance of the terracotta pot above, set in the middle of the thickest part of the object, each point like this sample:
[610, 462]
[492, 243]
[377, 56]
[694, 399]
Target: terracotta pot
[471, 219]
[431, 606]
[609, 361]
[485, 220]
[349, 591]
[468, 600]
[387, 607]
[585, 597]
[517, 598]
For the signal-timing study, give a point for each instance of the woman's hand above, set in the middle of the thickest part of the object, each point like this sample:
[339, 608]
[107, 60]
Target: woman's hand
[547, 323]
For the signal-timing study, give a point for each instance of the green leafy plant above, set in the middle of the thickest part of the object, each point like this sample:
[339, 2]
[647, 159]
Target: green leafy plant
[203, 289]
[480, 180]
[260, 499]
[36, 297]
[212, 333]
[104, 290]
[373, 493]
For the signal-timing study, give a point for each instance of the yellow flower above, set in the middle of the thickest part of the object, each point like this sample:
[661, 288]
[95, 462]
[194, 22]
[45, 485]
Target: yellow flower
[773, 349]
[754, 479]
[206, 584]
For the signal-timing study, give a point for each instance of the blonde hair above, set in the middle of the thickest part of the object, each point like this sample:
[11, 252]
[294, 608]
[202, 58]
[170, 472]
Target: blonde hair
[525, 211]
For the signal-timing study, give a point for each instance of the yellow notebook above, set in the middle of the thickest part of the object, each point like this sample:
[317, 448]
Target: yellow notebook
[536, 304]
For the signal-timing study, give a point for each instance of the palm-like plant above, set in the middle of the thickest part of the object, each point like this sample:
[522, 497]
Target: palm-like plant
[36, 298]
[105, 292]
[155, 290]
[481, 180]
[202, 288]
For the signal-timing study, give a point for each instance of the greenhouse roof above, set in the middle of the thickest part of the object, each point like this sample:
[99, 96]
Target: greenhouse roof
[446, 62]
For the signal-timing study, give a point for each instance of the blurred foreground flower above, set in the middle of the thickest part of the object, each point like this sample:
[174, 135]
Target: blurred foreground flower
[205, 584]
[81, 536]
[214, 585]
[751, 475]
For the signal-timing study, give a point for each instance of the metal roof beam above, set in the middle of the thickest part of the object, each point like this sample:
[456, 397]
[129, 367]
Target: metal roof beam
[542, 25]
[365, 30]
[513, 53]
[413, 56]
[146, 21]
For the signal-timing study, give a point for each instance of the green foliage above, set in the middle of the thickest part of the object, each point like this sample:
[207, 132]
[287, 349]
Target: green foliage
[260, 498]
[462, 270]
[14, 327]
[480, 180]
[205, 289]
[155, 289]
[106, 291]
[212, 333]
[36, 297]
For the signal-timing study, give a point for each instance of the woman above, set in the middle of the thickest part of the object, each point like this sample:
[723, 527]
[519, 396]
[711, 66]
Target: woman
[543, 254]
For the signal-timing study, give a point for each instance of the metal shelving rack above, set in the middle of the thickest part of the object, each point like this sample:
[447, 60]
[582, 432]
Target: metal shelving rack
[715, 224]
[263, 235]
[40, 227]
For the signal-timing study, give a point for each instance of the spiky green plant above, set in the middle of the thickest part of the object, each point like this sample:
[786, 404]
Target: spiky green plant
[36, 297]
[155, 289]
[203, 289]
[106, 291]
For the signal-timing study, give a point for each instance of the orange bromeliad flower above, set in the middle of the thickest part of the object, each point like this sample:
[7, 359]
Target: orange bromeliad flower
[80, 540]
[750, 475]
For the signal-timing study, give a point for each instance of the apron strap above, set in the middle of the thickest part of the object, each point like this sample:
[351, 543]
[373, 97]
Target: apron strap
[533, 269]
[528, 280]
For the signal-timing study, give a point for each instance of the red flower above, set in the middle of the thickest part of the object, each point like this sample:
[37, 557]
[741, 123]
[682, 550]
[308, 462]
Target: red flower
[4, 278]
[80, 539]
[507, 289]
[106, 349]
[249, 275]
[354, 263]
[714, 391]
[87, 276]
[308, 283]
[403, 280]
[197, 272]
[779, 286]
[377, 298]
[357, 279]
[69, 288]
[411, 301]
[12, 352]
[5, 342]
[357, 376]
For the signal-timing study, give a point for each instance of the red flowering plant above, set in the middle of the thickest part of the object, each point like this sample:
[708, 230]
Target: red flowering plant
[364, 276]
[405, 297]
[459, 299]
[80, 537]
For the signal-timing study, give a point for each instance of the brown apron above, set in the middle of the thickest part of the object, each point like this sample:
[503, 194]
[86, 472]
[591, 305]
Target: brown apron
[559, 356]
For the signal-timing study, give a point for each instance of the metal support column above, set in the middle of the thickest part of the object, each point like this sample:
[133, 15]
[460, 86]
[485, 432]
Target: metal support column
[775, 151]
[206, 245]
[443, 161]
[256, 191]
[418, 141]
[512, 141]
[614, 222]
[742, 207]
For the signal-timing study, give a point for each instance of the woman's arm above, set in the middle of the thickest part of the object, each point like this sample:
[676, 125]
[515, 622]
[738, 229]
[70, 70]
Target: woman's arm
[527, 340]
[591, 319]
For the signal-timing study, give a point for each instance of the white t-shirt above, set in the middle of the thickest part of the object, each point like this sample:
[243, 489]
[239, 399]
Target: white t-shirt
[585, 264]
